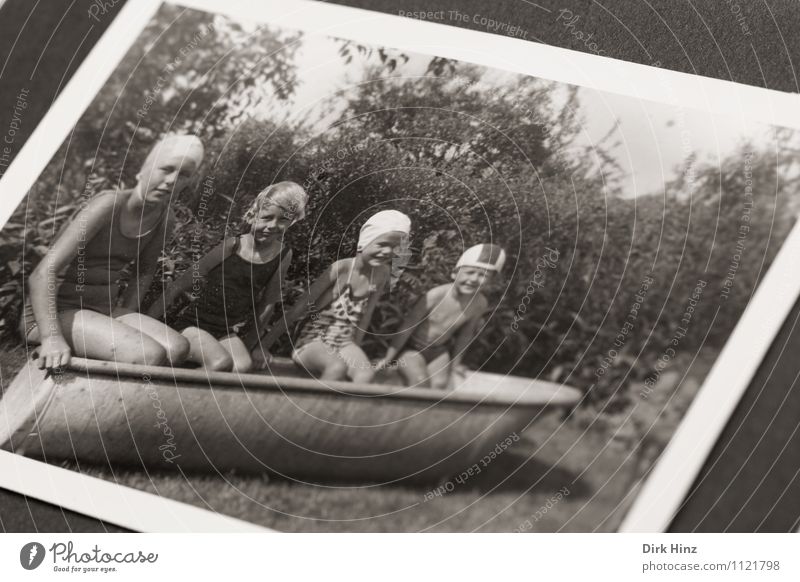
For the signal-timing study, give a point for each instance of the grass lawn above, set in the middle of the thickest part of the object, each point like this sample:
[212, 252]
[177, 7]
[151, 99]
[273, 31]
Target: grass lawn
[519, 490]
[505, 496]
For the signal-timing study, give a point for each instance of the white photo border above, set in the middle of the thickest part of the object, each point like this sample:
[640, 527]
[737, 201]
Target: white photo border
[677, 468]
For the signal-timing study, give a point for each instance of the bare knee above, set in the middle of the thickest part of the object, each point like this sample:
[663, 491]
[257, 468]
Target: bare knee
[363, 375]
[439, 383]
[177, 350]
[220, 362]
[148, 353]
[242, 364]
[335, 370]
[413, 372]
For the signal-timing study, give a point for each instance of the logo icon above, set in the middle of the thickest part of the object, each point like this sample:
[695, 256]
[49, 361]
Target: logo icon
[31, 555]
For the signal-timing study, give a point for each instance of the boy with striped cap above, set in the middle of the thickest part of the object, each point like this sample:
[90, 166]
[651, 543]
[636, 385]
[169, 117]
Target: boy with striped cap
[440, 326]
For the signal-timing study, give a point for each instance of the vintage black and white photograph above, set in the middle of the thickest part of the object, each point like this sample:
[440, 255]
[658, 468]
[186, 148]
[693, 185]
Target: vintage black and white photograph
[323, 285]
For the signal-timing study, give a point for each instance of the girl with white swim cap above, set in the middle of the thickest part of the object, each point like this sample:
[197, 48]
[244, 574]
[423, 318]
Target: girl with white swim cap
[338, 306]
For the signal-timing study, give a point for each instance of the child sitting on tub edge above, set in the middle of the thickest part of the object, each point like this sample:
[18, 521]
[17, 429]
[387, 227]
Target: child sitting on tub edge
[338, 306]
[439, 328]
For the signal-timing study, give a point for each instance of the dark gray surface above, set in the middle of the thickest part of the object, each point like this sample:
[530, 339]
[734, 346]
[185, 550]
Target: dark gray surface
[751, 482]
[701, 37]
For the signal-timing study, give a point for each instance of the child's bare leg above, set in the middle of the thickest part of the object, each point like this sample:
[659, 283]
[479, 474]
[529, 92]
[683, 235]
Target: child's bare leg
[97, 336]
[175, 344]
[205, 350]
[413, 368]
[359, 368]
[321, 361]
[439, 371]
[242, 362]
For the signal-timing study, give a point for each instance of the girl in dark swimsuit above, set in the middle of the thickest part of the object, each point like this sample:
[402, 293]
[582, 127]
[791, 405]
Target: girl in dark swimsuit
[74, 294]
[234, 287]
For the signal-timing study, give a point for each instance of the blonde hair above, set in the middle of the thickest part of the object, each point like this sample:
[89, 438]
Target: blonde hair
[289, 196]
[190, 146]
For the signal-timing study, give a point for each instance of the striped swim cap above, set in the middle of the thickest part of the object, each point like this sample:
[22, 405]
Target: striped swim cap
[485, 256]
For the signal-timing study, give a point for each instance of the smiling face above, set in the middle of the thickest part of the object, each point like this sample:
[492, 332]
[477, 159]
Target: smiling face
[269, 222]
[165, 173]
[470, 280]
[383, 249]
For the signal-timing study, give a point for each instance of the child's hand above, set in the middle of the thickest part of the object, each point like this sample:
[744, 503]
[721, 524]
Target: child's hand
[54, 353]
[261, 358]
[386, 364]
[459, 370]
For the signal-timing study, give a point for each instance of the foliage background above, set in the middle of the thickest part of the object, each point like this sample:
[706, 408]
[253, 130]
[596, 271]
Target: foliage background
[471, 158]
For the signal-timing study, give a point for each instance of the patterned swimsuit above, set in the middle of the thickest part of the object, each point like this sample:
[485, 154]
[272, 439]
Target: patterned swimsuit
[336, 324]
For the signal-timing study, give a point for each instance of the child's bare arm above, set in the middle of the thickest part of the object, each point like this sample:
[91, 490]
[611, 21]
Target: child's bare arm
[372, 302]
[467, 333]
[43, 282]
[303, 305]
[412, 320]
[463, 338]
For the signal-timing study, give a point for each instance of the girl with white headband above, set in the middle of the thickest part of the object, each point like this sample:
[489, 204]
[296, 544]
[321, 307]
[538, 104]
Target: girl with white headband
[74, 293]
[339, 304]
[438, 329]
[235, 286]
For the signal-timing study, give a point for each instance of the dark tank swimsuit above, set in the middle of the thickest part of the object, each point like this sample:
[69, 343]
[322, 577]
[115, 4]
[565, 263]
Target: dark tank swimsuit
[227, 303]
[92, 279]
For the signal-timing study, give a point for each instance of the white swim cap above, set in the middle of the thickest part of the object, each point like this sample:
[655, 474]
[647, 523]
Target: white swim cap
[381, 223]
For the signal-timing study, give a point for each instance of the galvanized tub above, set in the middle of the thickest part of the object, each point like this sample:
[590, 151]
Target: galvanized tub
[109, 414]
